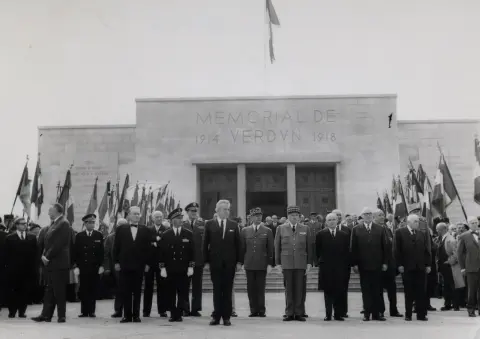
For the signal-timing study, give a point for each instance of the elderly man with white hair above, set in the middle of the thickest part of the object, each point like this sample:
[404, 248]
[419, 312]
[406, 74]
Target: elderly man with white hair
[370, 257]
[468, 253]
[413, 257]
[222, 253]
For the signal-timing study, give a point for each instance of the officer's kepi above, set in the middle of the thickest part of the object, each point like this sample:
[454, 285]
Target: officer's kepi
[89, 217]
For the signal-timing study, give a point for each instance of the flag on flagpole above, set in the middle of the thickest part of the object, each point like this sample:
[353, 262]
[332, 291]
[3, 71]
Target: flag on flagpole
[398, 198]
[134, 201]
[66, 198]
[103, 208]
[444, 191]
[476, 175]
[272, 20]
[93, 204]
[412, 197]
[37, 190]
[122, 198]
[386, 203]
[23, 191]
[380, 204]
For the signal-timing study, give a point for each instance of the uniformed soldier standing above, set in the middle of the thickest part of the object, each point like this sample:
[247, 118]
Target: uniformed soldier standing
[257, 246]
[198, 229]
[293, 255]
[176, 263]
[88, 260]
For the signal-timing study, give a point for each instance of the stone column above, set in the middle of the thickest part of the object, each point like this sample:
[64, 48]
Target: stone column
[291, 185]
[241, 191]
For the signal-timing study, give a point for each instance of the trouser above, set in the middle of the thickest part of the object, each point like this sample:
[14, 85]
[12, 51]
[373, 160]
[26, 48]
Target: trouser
[389, 283]
[414, 284]
[150, 276]
[449, 294]
[304, 293]
[131, 286]
[294, 291]
[222, 279]
[55, 293]
[118, 303]
[88, 291]
[177, 287]
[233, 296]
[3, 300]
[18, 292]
[473, 285]
[256, 290]
[334, 300]
[196, 282]
[371, 285]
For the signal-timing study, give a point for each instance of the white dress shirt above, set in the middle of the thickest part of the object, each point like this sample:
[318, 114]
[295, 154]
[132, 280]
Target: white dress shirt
[134, 231]
[410, 230]
[177, 230]
[475, 237]
[23, 237]
[368, 227]
[333, 232]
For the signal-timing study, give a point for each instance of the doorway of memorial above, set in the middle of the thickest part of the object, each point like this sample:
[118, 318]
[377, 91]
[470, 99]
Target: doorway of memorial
[271, 203]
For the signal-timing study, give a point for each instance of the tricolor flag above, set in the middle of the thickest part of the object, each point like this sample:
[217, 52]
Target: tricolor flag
[476, 175]
[93, 204]
[444, 191]
[37, 189]
[160, 203]
[135, 201]
[412, 190]
[103, 208]
[380, 204]
[272, 19]
[23, 191]
[398, 198]
[66, 199]
[386, 203]
[122, 199]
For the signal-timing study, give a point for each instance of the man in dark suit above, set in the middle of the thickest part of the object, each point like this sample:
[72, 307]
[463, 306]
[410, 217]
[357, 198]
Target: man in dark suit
[222, 253]
[132, 252]
[257, 249]
[56, 259]
[3, 237]
[88, 262]
[342, 226]
[370, 257]
[389, 277]
[413, 258]
[20, 255]
[198, 229]
[333, 257]
[176, 262]
[153, 273]
[469, 259]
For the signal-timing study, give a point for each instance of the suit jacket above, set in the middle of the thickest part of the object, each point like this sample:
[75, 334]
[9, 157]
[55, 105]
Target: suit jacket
[218, 251]
[468, 253]
[450, 245]
[369, 250]
[333, 258]
[177, 253]
[392, 266]
[272, 228]
[257, 248]
[57, 245]
[132, 255]
[293, 250]
[156, 237]
[21, 255]
[412, 252]
[198, 232]
[108, 261]
[89, 251]
[3, 238]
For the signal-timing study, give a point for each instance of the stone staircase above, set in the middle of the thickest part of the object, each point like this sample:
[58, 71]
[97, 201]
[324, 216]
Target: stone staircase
[275, 281]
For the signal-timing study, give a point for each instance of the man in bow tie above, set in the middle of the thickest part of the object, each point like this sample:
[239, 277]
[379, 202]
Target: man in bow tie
[132, 253]
[469, 259]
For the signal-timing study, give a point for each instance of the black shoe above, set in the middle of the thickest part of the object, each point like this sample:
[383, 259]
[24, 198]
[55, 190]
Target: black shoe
[227, 322]
[362, 312]
[171, 320]
[407, 318]
[253, 315]
[446, 308]
[288, 318]
[284, 316]
[422, 318]
[382, 315]
[22, 315]
[456, 309]
[185, 314]
[345, 315]
[379, 318]
[431, 308]
[146, 315]
[234, 314]
[300, 318]
[262, 315]
[163, 315]
[61, 320]
[116, 315]
[125, 320]
[366, 318]
[305, 315]
[11, 315]
[92, 315]
[40, 319]
[214, 322]
[396, 315]
[327, 319]
[195, 314]
[471, 314]
[338, 318]
[137, 320]
[83, 315]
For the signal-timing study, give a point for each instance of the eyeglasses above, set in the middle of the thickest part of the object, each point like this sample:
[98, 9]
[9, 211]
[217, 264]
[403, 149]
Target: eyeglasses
[21, 223]
[195, 211]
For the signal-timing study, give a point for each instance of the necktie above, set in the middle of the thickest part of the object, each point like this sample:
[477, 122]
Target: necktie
[23, 237]
[192, 224]
[293, 227]
[133, 225]
[223, 229]
[176, 232]
[333, 234]
[368, 229]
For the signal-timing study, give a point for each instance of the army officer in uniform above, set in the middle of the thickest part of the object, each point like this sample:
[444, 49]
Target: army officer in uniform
[88, 260]
[176, 263]
[257, 248]
[293, 255]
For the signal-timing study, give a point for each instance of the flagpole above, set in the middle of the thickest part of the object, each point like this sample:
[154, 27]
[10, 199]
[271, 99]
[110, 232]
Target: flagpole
[454, 186]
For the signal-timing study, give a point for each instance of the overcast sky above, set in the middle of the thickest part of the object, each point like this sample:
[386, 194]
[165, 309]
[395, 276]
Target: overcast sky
[85, 61]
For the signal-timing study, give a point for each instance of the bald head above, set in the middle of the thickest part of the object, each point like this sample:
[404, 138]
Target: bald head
[442, 228]
[413, 221]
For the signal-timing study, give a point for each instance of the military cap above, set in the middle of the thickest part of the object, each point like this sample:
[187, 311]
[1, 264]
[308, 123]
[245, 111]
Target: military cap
[293, 209]
[175, 213]
[192, 205]
[255, 211]
[415, 209]
[313, 214]
[88, 216]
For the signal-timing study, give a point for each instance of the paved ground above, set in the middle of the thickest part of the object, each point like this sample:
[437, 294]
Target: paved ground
[451, 325]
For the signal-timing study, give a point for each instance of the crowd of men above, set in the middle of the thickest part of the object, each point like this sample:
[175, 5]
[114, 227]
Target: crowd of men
[173, 254]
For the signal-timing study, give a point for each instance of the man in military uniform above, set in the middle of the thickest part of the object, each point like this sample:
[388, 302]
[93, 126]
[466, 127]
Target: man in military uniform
[314, 224]
[198, 229]
[257, 248]
[176, 262]
[88, 260]
[153, 273]
[293, 256]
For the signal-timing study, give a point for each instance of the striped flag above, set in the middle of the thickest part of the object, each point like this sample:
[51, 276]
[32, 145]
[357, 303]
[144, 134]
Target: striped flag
[135, 201]
[93, 204]
[122, 199]
[66, 198]
[37, 189]
[386, 203]
[399, 203]
[103, 208]
[476, 175]
[444, 191]
[380, 204]
[23, 191]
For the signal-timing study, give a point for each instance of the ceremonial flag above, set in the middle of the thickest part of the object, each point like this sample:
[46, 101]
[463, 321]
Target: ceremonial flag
[444, 191]
[93, 204]
[399, 203]
[386, 203]
[272, 20]
[37, 189]
[66, 199]
[112, 203]
[103, 208]
[476, 175]
[144, 208]
[134, 201]
[122, 198]
[379, 204]
[23, 191]
[160, 203]
[412, 197]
